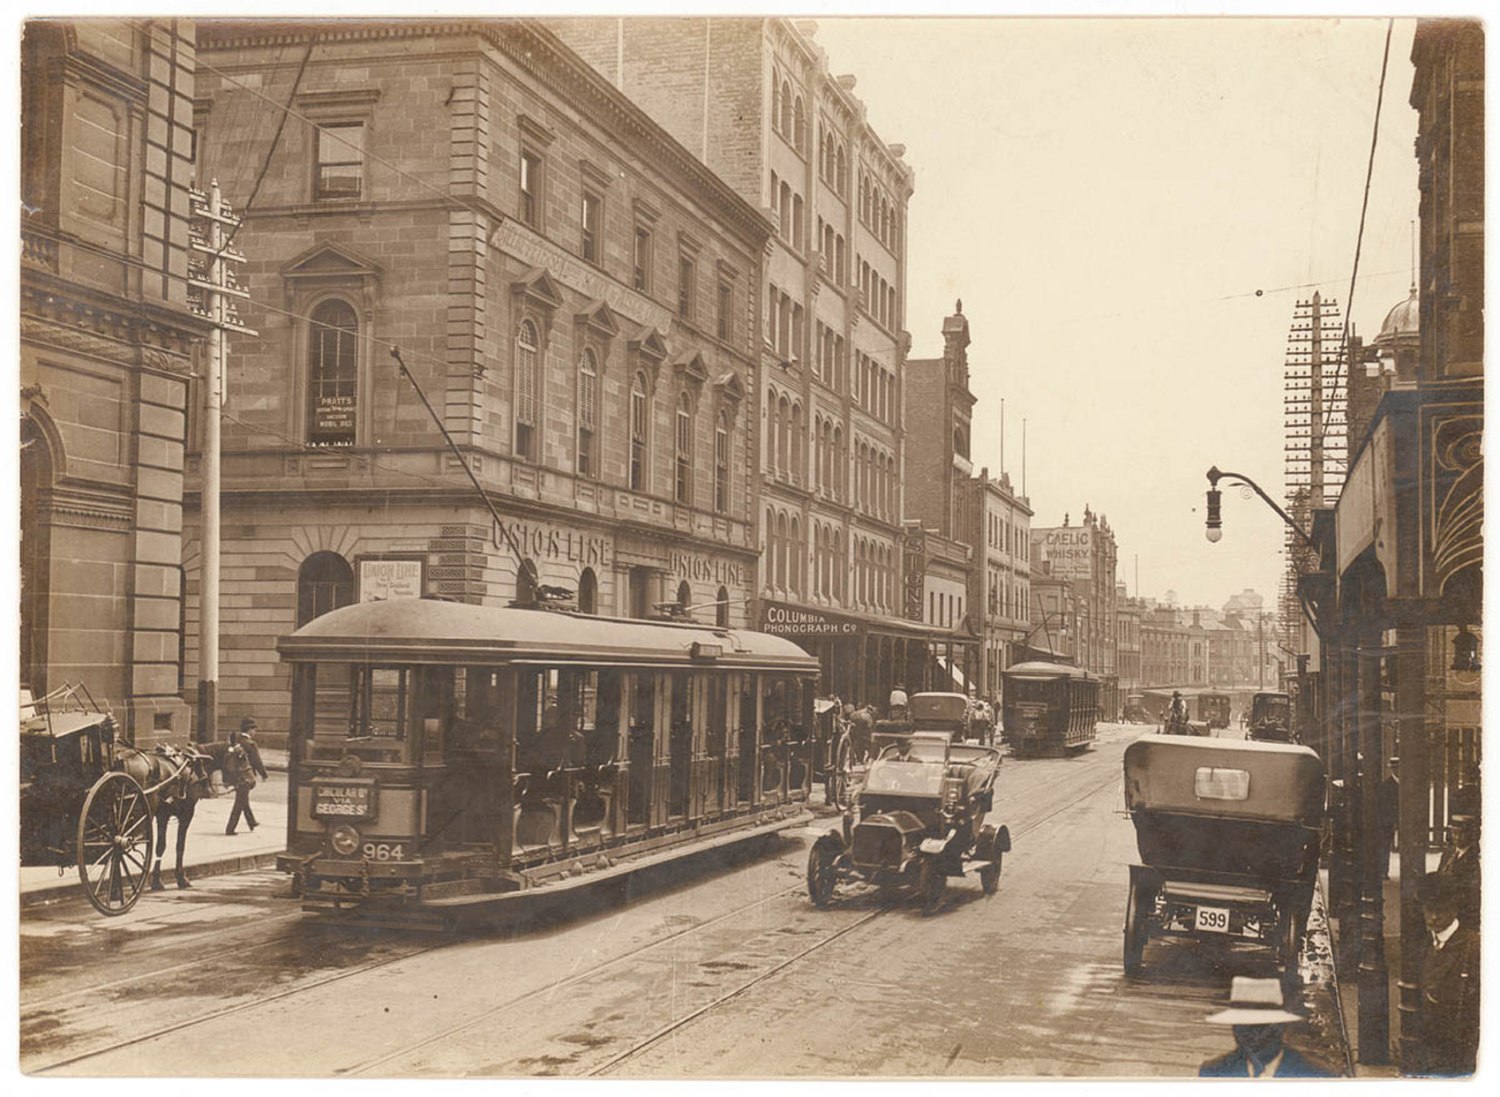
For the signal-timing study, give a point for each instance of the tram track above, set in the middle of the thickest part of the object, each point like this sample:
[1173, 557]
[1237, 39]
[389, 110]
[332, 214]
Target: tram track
[682, 1022]
[538, 993]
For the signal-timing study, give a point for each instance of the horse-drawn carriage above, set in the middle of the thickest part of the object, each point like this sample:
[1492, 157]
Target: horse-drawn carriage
[90, 800]
[1227, 832]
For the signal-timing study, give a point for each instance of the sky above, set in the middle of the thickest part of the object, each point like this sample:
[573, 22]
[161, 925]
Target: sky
[1129, 211]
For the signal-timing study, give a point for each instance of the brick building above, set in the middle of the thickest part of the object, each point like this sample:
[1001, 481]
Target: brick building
[106, 349]
[1000, 580]
[575, 292]
[1087, 556]
[755, 100]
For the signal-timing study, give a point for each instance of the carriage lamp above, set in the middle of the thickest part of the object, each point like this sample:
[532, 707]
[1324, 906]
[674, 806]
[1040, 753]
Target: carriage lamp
[1215, 525]
[1465, 650]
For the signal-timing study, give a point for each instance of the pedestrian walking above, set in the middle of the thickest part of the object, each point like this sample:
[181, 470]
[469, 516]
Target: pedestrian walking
[1448, 1013]
[1259, 1018]
[861, 731]
[241, 765]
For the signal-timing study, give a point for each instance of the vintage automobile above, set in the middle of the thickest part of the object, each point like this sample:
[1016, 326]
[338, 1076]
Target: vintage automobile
[1134, 711]
[918, 820]
[1271, 718]
[947, 712]
[1227, 832]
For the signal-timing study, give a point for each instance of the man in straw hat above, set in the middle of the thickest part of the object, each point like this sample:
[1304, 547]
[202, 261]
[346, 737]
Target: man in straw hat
[1259, 1018]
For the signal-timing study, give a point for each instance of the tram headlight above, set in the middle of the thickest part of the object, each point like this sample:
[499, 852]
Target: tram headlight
[344, 840]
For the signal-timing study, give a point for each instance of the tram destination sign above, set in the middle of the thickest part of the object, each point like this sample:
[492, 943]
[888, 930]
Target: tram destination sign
[343, 798]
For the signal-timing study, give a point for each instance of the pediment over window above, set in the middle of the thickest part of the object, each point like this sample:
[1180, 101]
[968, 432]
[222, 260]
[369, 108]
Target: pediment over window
[691, 366]
[648, 351]
[730, 387]
[600, 319]
[331, 262]
[536, 286]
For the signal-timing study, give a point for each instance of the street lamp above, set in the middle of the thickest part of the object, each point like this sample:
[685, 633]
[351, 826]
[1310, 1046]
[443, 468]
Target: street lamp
[1213, 530]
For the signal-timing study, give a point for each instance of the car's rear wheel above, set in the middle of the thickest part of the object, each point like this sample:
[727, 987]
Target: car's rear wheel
[822, 875]
[931, 882]
[1137, 916]
[988, 849]
[1290, 948]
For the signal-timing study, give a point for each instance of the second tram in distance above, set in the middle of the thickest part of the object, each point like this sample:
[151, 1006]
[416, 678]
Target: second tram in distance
[1049, 708]
[445, 757]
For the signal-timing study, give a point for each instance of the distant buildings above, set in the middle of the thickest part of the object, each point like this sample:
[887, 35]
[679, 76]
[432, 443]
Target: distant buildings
[1085, 556]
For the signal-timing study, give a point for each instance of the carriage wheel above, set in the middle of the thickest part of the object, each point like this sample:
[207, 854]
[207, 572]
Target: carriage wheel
[988, 849]
[931, 881]
[114, 843]
[1137, 917]
[837, 786]
[822, 876]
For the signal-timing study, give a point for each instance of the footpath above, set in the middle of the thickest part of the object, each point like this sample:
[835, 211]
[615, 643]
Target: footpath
[1348, 973]
[209, 851]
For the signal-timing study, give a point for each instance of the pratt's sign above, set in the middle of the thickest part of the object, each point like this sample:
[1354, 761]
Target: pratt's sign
[1069, 550]
[787, 621]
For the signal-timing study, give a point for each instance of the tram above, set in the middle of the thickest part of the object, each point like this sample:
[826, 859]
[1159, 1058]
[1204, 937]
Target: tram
[445, 758]
[1050, 708]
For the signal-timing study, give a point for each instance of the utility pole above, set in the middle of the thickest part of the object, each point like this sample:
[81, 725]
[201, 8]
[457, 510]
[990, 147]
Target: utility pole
[213, 290]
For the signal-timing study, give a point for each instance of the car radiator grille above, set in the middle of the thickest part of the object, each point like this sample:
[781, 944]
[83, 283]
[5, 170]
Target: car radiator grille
[877, 845]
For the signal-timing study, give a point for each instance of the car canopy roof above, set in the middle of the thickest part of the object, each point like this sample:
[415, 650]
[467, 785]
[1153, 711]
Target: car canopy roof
[1225, 778]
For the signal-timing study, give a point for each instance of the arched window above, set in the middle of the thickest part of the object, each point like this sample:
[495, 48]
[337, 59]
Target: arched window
[333, 375]
[798, 233]
[588, 591]
[841, 175]
[780, 551]
[528, 348]
[684, 481]
[840, 465]
[588, 412]
[640, 414]
[784, 200]
[784, 436]
[684, 594]
[797, 551]
[786, 109]
[721, 607]
[798, 440]
[325, 582]
[721, 464]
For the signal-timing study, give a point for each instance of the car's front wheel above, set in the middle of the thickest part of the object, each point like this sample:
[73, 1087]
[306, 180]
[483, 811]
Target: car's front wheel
[931, 882]
[822, 873]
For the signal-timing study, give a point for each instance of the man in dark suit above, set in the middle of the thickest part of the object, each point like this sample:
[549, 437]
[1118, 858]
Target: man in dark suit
[1460, 861]
[1259, 1019]
[1448, 1016]
[241, 764]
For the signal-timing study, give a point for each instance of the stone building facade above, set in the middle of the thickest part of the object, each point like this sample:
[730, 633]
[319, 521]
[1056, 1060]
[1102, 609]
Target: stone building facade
[755, 100]
[107, 344]
[1000, 580]
[575, 293]
[1086, 555]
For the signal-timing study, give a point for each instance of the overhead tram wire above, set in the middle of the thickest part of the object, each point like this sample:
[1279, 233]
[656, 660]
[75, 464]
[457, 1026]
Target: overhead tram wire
[1360, 236]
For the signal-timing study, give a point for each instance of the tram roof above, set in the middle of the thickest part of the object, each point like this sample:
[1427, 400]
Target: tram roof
[423, 630]
[1039, 669]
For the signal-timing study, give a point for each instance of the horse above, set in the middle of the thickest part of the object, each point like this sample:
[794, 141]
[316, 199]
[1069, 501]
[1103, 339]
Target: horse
[178, 797]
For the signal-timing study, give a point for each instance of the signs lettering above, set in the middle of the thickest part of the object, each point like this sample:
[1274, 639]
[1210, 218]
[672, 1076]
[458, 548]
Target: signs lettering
[556, 544]
[380, 580]
[343, 799]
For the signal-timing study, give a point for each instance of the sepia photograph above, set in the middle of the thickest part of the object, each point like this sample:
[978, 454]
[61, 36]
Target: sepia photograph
[811, 544]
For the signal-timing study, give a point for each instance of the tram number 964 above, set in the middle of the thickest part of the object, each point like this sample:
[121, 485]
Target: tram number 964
[383, 851]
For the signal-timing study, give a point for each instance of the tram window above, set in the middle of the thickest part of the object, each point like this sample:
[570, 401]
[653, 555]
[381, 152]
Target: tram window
[478, 709]
[777, 705]
[718, 715]
[602, 740]
[1026, 690]
[385, 697]
[682, 699]
[643, 702]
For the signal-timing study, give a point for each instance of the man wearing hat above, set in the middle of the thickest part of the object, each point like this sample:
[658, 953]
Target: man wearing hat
[241, 764]
[1259, 1018]
[1460, 861]
[1448, 1016]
